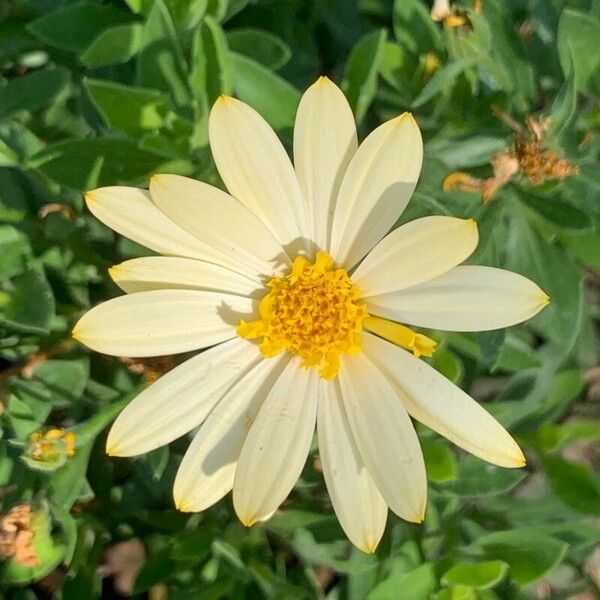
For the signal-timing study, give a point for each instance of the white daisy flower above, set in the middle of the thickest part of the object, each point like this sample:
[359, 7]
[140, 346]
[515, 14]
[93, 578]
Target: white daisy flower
[306, 312]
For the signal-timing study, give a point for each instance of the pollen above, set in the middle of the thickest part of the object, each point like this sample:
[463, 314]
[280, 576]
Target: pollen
[314, 312]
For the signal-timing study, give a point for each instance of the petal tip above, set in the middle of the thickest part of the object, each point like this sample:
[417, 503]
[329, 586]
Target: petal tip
[369, 547]
[91, 197]
[114, 272]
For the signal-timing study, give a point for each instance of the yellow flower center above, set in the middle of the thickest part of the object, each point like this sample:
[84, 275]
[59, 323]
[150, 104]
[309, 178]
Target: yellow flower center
[316, 313]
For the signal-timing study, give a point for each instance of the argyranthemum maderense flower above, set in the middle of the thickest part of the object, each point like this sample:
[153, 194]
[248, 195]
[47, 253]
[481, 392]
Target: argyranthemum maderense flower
[305, 310]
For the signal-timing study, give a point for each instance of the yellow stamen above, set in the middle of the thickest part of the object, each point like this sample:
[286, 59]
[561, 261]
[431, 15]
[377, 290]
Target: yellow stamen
[315, 312]
[417, 343]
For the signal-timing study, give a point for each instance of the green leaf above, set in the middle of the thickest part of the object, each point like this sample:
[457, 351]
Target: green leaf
[30, 306]
[114, 45]
[440, 461]
[481, 576]
[417, 584]
[15, 252]
[491, 343]
[212, 71]
[529, 553]
[273, 97]
[64, 379]
[565, 104]
[126, 108]
[549, 266]
[551, 437]
[559, 212]
[362, 72]
[413, 27]
[448, 363]
[444, 78]
[32, 92]
[574, 483]
[262, 46]
[161, 64]
[90, 163]
[576, 41]
[73, 27]
[477, 479]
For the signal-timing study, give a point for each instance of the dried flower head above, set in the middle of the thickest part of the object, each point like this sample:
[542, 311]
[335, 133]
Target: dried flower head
[16, 536]
[529, 157]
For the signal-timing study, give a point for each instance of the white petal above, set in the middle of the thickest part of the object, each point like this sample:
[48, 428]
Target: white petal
[207, 470]
[430, 398]
[324, 142]
[385, 437]
[161, 322]
[171, 272]
[181, 399]
[219, 220]
[467, 298]
[376, 188]
[416, 252]
[257, 171]
[277, 445]
[130, 212]
[359, 507]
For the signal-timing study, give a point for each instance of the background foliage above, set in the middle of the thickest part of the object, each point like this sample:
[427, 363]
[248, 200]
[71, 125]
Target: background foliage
[97, 93]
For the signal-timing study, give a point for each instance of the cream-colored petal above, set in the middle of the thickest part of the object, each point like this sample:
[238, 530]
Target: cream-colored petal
[359, 507]
[416, 252]
[130, 212]
[385, 437]
[171, 272]
[161, 322]
[181, 399]
[324, 142]
[220, 221]
[436, 402]
[466, 298]
[376, 188]
[277, 445]
[257, 171]
[207, 470]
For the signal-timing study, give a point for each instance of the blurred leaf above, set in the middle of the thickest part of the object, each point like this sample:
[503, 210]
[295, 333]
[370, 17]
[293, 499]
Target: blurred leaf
[440, 461]
[482, 576]
[128, 109]
[161, 64]
[362, 72]
[443, 78]
[90, 163]
[477, 478]
[576, 34]
[565, 104]
[73, 27]
[33, 91]
[559, 212]
[14, 252]
[64, 379]
[417, 584]
[413, 27]
[555, 273]
[551, 437]
[273, 97]
[30, 307]
[114, 45]
[529, 553]
[491, 343]
[574, 483]
[263, 47]
[447, 363]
